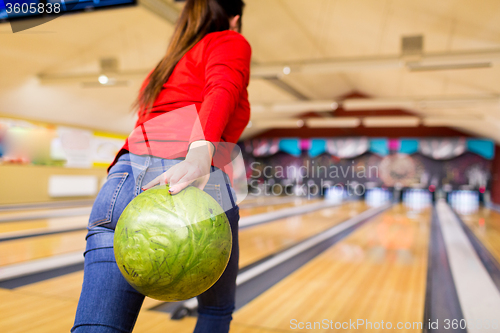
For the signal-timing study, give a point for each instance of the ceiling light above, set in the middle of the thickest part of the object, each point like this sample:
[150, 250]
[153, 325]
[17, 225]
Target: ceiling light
[103, 79]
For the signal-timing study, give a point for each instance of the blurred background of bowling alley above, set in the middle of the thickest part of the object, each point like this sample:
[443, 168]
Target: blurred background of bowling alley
[59, 163]
[358, 108]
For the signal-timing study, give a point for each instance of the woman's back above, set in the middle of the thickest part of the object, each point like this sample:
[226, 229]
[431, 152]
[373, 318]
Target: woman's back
[213, 76]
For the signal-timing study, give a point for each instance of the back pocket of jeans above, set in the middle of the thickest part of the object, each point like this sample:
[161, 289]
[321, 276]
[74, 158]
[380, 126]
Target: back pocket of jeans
[103, 210]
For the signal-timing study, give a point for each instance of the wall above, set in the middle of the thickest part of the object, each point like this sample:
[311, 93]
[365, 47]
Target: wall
[29, 183]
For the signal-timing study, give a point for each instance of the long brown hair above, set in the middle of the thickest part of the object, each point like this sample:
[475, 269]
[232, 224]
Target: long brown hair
[198, 18]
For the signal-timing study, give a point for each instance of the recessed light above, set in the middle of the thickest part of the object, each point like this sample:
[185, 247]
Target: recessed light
[103, 79]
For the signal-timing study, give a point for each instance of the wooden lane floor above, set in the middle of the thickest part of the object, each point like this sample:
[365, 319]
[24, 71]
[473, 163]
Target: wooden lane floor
[485, 224]
[27, 215]
[26, 249]
[47, 224]
[21, 312]
[376, 273]
[40, 226]
[263, 240]
[255, 243]
[262, 200]
[59, 224]
[265, 208]
[15, 213]
[60, 295]
[16, 210]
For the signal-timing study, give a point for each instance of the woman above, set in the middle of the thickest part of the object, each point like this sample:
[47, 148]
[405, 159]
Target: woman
[206, 67]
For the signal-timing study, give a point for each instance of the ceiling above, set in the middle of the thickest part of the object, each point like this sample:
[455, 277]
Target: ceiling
[281, 32]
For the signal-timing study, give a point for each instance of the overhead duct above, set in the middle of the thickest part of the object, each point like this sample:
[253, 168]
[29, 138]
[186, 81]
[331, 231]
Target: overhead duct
[65, 79]
[429, 61]
[412, 47]
[433, 61]
[296, 107]
[304, 106]
[450, 121]
[279, 123]
[426, 68]
[108, 75]
[400, 121]
[377, 104]
[353, 104]
[341, 122]
[164, 9]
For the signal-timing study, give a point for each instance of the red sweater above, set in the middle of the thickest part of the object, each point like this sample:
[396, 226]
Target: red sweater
[212, 78]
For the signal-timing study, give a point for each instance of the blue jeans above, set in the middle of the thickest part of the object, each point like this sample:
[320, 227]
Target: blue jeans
[107, 302]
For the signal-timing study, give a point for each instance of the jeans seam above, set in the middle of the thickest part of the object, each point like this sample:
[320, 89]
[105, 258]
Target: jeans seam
[109, 214]
[116, 175]
[81, 325]
[141, 176]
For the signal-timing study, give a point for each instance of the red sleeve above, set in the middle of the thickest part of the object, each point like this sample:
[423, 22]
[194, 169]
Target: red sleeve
[227, 74]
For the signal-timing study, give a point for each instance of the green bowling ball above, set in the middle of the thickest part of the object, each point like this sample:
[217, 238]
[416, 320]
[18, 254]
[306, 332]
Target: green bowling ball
[172, 247]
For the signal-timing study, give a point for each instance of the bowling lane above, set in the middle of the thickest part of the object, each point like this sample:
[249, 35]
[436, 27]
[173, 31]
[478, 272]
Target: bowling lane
[252, 200]
[67, 286]
[268, 238]
[35, 227]
[255, 243]
[57, 224]
[21, 250]
[265, 208]
[21, 312]
[376, 273]
[5, 214]
[485, 224]
[42, 209]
